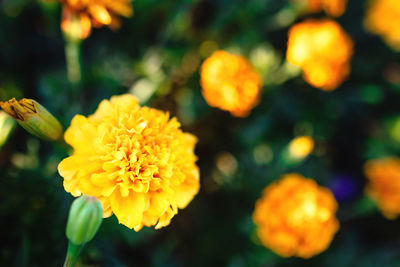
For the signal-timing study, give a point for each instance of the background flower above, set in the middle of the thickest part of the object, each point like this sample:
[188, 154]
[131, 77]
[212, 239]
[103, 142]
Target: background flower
[296, 217]
[80, 15]
[383, 18]
[323, 50]
[230, 83]
[384, 184]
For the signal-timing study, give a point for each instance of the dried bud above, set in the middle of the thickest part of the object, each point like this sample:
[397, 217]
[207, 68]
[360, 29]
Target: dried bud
[85, 217]
[34, 118]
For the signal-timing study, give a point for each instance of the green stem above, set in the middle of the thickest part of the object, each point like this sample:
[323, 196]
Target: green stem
[72, 56]
[72, 254]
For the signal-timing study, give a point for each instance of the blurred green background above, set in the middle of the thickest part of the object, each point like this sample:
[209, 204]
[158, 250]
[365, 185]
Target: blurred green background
[156, 55]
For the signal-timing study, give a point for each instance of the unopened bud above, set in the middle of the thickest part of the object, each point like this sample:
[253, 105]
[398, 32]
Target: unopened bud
[34, 118]
[85, 217]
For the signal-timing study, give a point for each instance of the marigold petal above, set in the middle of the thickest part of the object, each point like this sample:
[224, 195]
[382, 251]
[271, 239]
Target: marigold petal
[158, 204]
[80, 134]
[66, 167]
[186, 191]
[129, 210]
[100, 14]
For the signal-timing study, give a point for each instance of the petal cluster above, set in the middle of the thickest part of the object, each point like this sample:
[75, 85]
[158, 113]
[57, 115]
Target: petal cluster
[383, 18]
[296, 217]
[332, 7]
[230, 83]
[81, 15]
[384, 184]
[134, 159]
[323, 50]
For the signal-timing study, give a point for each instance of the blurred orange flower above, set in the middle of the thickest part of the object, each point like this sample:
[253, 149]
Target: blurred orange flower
[334, 8]
[323, 50]
[296, 217]
[383, 18]
[80, 15]
[230, 83]
[135, 160]
[384, 184]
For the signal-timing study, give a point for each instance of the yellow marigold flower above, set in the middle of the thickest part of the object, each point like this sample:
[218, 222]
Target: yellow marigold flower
[332, 7]
[134, 159]
[323, 50]
[384, 184]
[296, 217]
[230, 83]
[383, 18]
[301, 147]
[80, 15]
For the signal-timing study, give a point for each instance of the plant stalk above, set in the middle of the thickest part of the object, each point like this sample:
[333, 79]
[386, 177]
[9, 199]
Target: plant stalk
[72, 254]
[72, 57]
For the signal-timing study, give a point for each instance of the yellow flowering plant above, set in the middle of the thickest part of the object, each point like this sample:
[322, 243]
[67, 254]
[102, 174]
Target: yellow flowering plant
[247, 114]
[136, 161]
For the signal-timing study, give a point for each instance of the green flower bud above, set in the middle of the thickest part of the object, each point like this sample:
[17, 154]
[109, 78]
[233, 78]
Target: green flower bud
[34, 118]
[85, 217]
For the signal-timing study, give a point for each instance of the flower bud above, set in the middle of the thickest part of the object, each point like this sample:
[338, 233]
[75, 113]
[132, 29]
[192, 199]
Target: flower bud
[85, 217]
[34, 118]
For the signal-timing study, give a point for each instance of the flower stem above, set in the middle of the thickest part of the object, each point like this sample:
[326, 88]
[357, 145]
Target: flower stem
[72, 56]
[72, 254]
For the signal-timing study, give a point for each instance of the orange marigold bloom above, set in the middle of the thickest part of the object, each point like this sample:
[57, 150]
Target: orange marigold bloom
[323, 50]
[230, 83]
[384, 184]
[80, 15]
[296, 217]
[135, 160]
[383, 18]
[332, 7]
